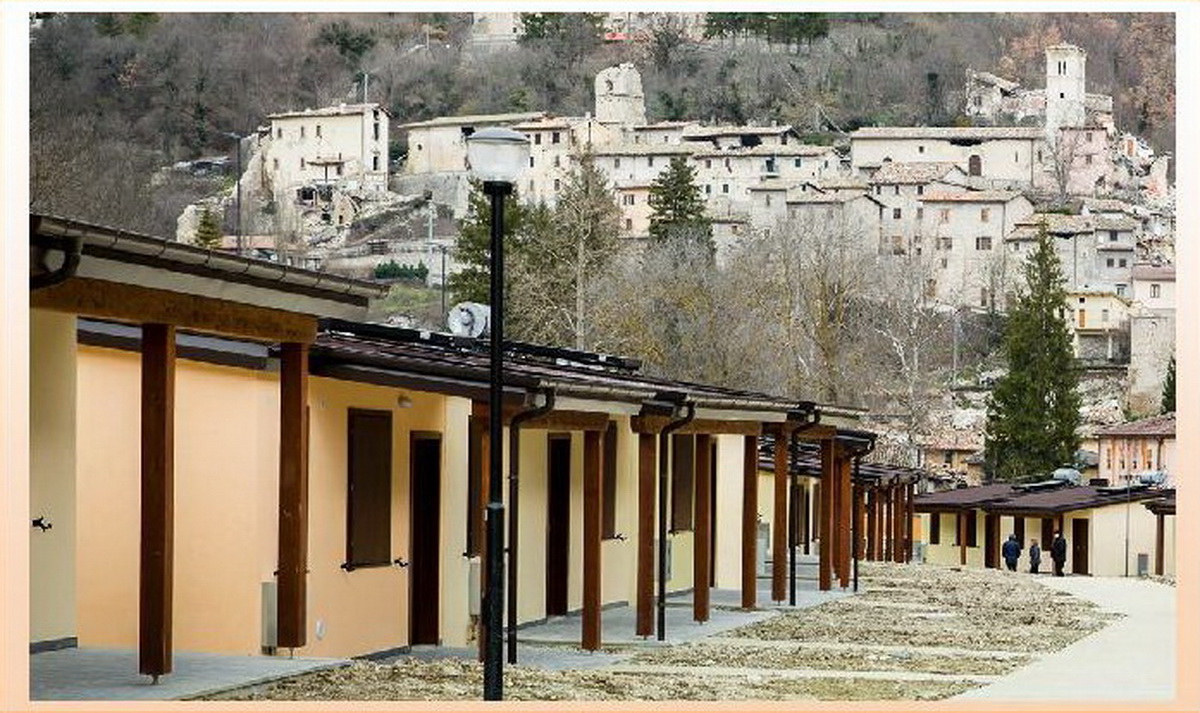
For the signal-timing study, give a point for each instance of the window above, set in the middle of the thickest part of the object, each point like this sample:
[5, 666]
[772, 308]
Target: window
[557, 184]
[608, 520]
[369, 484]
[985, 215]
[629, 224]
[1155, 290]
[279, 132]
[1121, 290]
[920, 190]
[898, 245]
[724, 187]
[798, 163]
[1016, 156]
[944, 215]
[537, 139]
[650, 161]
[1039, 155]
[1087, 136]
[767, 198]
[375, 163]
[1112, 236]
[1082, 318]
[339, 169]
[726, 164]
[1110, 262]
[318, 131]
[275, 164]
[708, 163]
[531, 161]
[878, 190]
[896, 190]
[974, 165]
[683, 456]
[946, 242]
[302, 132]
[895, 214]
[983, 242]
[983, 297]
[1104, 316]
[770, 165]
[935, 528]
[1088, 159]
[971, 529]
[556, 137]
[708, 189]
[557, 161]
[1122, 262]
[931, 287]
[302, 163]
[616, 162]
[920, 149]
[920, 213]
[375, 131]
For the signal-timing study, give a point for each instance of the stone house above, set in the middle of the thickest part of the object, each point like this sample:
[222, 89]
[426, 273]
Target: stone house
[345, 145]
[900, 187]
[1006, 155]
[853, 218]
[1152, 335]
[1095, 251]
[1139, 448]
[963, 233]
[1099, 324]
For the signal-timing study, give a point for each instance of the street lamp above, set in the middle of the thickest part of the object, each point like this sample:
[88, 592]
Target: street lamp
[237, 138]
[496, 156]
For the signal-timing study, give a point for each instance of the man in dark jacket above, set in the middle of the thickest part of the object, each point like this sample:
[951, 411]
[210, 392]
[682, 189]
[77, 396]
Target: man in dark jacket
[1058, 553]
[1012, 551]
[1035, 556]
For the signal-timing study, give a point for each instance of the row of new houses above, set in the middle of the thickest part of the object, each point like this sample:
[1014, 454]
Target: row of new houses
[266, 480]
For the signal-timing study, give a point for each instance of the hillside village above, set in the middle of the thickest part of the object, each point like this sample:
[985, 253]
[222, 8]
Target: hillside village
[961, 205]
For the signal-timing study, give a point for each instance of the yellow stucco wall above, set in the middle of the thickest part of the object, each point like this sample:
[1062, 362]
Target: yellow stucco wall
[52, 386]
[947, 551]
[728, 530]
[1107, 534]
[222, 445]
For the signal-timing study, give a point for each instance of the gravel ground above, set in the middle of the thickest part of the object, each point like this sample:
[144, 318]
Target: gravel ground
[1002, 619]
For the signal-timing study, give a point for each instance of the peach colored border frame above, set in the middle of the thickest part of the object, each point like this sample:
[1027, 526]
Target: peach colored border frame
[14, 462]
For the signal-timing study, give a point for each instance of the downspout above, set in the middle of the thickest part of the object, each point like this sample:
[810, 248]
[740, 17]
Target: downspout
[514, 467]
[72, 249]
[815, 415]
[854, 545]
[663, 450]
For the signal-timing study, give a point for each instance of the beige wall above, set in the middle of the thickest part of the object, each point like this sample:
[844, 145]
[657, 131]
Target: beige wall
[728, 531]
[52, 448]
[224, 546]
[1107, 534]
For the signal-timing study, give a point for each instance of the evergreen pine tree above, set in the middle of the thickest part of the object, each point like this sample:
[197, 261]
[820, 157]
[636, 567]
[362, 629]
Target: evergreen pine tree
[1033, 411]
[1168, 394]
[208, 231]
[676, 206]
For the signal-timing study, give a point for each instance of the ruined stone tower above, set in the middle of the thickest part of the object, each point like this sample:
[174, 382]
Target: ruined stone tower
[619, 97]
[1065, 87]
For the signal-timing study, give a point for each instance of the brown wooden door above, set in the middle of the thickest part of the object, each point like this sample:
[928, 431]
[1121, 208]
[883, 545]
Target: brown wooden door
[424, 570]
[991, 535]
[1047, 533]
[558, 524]
[1079, 546]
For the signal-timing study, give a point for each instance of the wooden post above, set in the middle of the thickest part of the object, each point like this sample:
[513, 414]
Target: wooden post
[779, 531]
[293, 494]
[825, 561]
[647, 463]
[898, 511]
[593, 511]
[871, 529]
[859, 521]
[702, 549]
[845, 512]
[885, 516]
[158, 500]
[909, 518]
[1159, 542]
[749, 522]
[962, 537]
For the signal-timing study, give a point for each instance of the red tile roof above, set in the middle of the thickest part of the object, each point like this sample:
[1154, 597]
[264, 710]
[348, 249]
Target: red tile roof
[1154, 426]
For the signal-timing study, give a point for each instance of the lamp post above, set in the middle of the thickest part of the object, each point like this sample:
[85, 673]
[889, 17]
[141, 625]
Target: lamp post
[496, 157]
[237, 138]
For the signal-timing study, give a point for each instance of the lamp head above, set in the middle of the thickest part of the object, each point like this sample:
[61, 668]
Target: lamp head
[497, 154]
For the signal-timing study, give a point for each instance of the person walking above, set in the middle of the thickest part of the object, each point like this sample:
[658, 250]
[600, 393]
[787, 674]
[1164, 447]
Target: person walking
[1058, 553]
[1012, 552]
[1035, 556]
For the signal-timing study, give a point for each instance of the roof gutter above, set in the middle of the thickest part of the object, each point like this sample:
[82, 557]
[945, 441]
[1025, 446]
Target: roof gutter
[71, 247]
[514, 466]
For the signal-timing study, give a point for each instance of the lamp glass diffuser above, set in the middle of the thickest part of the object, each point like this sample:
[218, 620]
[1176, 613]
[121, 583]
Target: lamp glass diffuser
[497, 154]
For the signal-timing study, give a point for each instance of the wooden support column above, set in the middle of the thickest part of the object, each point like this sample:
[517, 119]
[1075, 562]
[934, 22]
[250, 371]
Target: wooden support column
[593, 511]
[779, 530]
[702, 515]
[647, 467]
[871, 526]
[158, 500]
[1159, 542]
[859, 522]
[962, 537]
[749, 522]
[825, 561]
[898, 511]
[909, 519]
[885, 523]
[845, 513]
[293, 494]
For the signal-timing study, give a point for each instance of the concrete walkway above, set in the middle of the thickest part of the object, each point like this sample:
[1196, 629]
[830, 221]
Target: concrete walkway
[111, 675]
[1131, 659]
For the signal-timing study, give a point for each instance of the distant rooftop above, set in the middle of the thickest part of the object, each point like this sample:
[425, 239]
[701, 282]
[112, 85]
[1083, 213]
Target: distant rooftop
[483, 119]
[981, 133]
[970, 197]
[915, 172]
[1163, 425]
[339, 110]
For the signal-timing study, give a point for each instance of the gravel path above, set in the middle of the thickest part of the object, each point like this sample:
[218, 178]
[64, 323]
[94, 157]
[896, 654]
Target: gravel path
[914, 632]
